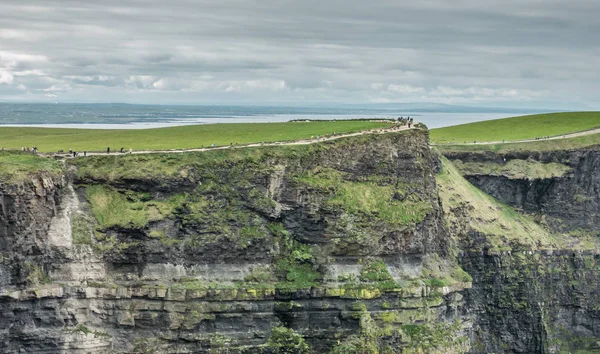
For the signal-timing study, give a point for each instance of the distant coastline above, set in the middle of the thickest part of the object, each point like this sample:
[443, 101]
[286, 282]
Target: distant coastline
[124, 116]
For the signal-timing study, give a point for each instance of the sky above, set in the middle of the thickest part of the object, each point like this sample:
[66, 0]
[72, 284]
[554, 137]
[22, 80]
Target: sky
[511, 53]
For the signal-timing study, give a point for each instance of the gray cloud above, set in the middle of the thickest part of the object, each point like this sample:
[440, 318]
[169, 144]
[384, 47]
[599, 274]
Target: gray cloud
[209, 51]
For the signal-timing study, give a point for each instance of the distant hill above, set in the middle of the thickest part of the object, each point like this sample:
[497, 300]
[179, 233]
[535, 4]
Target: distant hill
[441, 108]
[518, 128]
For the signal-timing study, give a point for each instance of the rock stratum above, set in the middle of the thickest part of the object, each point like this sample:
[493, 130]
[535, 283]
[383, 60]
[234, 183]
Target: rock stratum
[366, 244]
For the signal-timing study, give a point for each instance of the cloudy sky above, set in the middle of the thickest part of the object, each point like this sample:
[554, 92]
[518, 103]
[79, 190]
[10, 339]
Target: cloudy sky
[525, 53]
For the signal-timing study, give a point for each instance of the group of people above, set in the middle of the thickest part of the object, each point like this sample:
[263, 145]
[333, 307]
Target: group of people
[406, 121]
[122, 150]
[28, 149]
[73, 153]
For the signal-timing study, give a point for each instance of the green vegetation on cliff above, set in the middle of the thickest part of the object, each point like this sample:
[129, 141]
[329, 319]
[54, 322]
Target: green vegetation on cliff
[518, 128]
[128, 209]
[382, 200]
[18, 166]
[163, 166]
[429, 335]
[226, 194]
[297, 268]
[82, 227]
[467, 208]
[375, 274]
[194, 205]
[286, 341]
[184, 137]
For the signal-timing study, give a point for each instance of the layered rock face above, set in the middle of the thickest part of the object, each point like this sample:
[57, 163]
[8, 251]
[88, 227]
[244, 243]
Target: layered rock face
[25, 215]
[369, 244]
[340, 246]
[534, 301]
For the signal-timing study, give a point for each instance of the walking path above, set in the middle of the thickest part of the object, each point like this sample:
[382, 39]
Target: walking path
[395, 128]
[563, 136]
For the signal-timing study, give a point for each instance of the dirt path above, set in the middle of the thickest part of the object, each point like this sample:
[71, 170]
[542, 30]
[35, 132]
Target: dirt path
[557, 137]
[395, 128]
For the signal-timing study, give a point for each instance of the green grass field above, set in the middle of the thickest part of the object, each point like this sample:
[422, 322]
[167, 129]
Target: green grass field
[517, 128]
[542, 145]
[184, 137]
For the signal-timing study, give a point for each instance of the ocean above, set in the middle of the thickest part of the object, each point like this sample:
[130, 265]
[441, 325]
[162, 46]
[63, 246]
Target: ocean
[126, 116]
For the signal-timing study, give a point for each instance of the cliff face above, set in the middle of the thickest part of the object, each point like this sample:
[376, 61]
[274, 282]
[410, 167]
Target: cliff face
[25, 214]
[369, 244]
[534, 301]
[337, 246]
[536, 293]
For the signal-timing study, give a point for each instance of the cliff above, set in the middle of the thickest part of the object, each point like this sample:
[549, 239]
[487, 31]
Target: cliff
[366, 244]
[340, 246]
[534, 291]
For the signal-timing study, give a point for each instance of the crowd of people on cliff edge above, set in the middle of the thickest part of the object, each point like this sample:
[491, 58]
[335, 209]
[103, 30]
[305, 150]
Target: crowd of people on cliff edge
[33, 149]
[405, 121]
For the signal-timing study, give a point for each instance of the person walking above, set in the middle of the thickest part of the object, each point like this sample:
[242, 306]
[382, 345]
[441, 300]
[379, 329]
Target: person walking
[108, 150]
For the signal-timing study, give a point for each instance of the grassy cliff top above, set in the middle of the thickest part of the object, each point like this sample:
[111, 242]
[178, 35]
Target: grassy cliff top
[184, 137]
[168, 165]
[517, 128]
[541, 145]
[17, 166]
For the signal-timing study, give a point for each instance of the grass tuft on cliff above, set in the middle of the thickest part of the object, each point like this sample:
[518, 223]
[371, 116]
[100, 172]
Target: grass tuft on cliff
[184, 137]
[517, 128]
[128, 209]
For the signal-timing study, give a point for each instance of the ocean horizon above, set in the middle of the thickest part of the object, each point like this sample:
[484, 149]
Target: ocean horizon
[134, 116]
